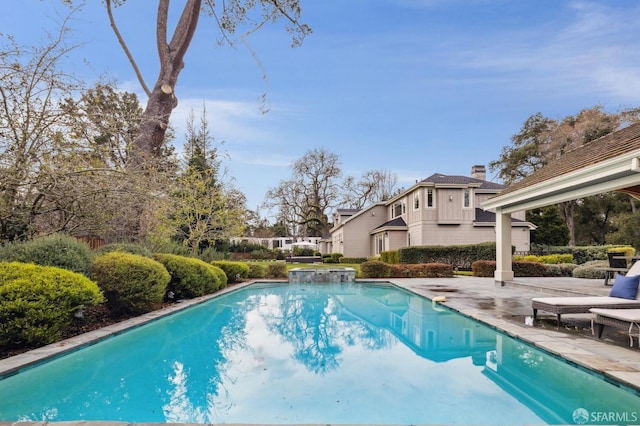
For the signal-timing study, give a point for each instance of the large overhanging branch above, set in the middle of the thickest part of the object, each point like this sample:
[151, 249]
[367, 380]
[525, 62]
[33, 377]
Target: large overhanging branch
[126, 48]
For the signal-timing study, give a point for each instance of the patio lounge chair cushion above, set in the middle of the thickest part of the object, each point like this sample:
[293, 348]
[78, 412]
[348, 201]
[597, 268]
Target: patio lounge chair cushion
[625, 287]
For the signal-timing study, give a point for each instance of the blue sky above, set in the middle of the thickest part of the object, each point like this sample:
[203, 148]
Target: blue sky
[411, 86]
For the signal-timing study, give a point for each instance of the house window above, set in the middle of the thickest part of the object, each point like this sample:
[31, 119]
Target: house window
[467, 198]
[416, 201]
[430, 199]
[398, 209]
[379, 243]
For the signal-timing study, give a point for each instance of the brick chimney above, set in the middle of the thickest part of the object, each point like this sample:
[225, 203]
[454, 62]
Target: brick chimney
[478, 172]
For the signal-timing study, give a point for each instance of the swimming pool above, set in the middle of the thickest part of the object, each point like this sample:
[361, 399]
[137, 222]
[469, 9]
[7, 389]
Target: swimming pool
[329, 353]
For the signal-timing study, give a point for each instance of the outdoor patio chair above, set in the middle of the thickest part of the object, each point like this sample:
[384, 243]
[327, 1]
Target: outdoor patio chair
[623, 295]
[627, 319]
[617, 264]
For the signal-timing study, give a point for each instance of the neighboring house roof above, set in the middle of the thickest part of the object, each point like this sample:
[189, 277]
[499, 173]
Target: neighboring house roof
[440, 179]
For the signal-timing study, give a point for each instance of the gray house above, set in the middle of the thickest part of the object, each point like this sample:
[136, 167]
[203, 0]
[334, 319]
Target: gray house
[439, 210]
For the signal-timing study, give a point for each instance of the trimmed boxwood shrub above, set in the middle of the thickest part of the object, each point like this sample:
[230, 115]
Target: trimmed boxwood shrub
[235, 271]
[37, 302]
[589, 270]
[191, 277]
[375, 269]
[276, 270]
[61, 251]
[256, 270]
[560, 269]
[132, 284]
[125, 247]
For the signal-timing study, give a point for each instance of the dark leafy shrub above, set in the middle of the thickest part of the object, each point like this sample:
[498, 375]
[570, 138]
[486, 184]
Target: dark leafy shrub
[486, 268]
[256, 270]
[235, 271]
[132, 284]
[483, 268]
[191, 277]
[37, 303]
[529, 269]
[420, 270]
[61, 251]
[375, 269]
[276, 270]
[124, 247]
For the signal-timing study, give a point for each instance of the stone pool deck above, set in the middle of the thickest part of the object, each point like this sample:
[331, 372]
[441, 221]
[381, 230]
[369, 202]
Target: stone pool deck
[507, 308]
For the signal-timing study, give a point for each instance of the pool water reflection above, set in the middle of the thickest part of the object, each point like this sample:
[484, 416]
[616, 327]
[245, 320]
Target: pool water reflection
[314, 353]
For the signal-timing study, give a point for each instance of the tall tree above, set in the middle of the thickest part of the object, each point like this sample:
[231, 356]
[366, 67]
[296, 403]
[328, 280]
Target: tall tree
[314, 188]
[206, 205]
[30, 122]
[373, 186]
[235, 20]
[542, 140]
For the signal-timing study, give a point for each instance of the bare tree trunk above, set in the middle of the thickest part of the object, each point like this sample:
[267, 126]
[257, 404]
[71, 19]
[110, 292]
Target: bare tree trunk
[162, 100]
[567, 209]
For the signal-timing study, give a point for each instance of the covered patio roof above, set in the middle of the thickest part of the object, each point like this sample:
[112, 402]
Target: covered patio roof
[610, 163]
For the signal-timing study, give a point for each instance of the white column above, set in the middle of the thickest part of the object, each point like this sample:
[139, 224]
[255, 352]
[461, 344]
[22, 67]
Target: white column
[504, 267]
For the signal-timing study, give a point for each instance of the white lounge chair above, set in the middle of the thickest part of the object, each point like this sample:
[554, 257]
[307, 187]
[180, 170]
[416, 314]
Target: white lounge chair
[627, 319]
[583, 304]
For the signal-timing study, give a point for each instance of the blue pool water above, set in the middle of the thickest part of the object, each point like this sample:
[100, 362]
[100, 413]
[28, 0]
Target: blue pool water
[310, 353]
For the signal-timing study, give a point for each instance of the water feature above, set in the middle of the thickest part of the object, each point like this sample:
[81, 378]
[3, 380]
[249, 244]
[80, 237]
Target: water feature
[314, 353]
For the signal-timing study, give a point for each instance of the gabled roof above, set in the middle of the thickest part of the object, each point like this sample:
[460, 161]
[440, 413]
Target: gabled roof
[440, 179]
[393, 223]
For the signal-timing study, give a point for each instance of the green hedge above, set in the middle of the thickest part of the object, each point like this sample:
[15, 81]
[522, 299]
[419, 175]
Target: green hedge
[459, 256]
[191, 277]
[548, 259]
[421, 270]
[391, 256]
[486, 268]
[132, 284]
[581, 254]
[61, 251]
[353, 260]
[37, 303]
[235, 271]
